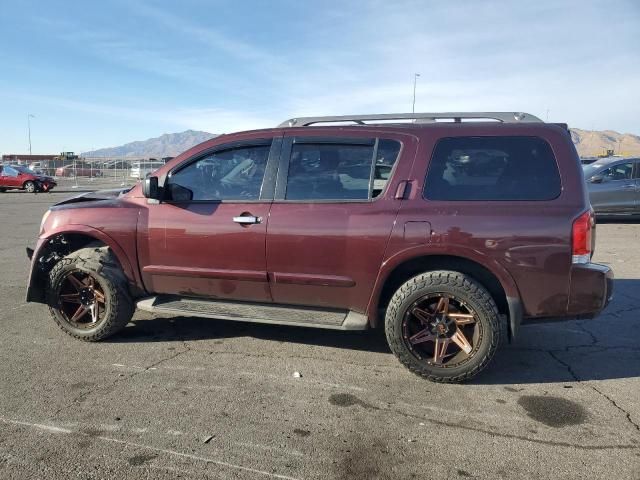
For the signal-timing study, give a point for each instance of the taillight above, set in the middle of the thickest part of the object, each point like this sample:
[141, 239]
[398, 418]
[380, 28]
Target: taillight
[581, 237]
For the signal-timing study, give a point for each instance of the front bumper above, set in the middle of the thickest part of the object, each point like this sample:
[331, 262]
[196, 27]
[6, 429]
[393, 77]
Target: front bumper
[591, 289]
[46, 186]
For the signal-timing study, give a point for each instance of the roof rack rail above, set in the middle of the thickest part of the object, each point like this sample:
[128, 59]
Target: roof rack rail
[504, 117]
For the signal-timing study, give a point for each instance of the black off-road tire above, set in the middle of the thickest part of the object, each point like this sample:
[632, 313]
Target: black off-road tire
[30, 186]
[462, 287]
[104, 267]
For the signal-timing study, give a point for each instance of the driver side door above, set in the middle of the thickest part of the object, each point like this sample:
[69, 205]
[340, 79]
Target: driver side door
[207, 237]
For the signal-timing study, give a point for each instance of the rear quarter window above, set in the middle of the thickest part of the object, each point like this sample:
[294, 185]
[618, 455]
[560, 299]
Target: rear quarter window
[492, 168]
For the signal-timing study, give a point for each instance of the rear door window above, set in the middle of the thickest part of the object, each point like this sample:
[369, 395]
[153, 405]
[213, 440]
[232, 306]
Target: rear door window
[492, 168]
[340, 171]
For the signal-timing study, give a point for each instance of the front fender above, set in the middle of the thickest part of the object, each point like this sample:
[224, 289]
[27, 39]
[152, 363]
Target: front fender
[36, 284]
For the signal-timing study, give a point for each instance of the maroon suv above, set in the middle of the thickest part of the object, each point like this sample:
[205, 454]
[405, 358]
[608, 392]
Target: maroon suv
[448, 234]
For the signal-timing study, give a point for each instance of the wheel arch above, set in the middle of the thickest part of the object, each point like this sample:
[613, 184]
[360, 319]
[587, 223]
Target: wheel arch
[62, 243]
[492, 276]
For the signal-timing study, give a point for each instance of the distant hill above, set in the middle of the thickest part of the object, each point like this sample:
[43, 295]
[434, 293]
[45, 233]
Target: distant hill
[167, 145]
[589, 143]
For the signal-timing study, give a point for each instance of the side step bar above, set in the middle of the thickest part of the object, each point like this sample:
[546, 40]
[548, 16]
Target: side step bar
[255, 312]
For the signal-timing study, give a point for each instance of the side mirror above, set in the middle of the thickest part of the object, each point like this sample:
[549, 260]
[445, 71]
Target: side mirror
[596, 179]
[150, 188]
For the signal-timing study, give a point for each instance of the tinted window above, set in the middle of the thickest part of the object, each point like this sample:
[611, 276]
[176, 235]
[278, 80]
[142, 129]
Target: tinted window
[338, 171]
[492, 168]
[9, 172]
[235, 174]
[24, 170]
[622, 171]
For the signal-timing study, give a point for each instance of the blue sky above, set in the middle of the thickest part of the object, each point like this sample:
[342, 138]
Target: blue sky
[98, 74]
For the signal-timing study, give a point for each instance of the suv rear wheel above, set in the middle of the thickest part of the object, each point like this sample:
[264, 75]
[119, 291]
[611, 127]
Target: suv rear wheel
[87, 295]
[443, 326]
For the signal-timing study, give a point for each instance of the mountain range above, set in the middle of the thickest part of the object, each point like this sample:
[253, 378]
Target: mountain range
[589, 143]
[166, 145]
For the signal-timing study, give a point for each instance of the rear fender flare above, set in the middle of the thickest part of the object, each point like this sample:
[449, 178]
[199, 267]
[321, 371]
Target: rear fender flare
[504, 277]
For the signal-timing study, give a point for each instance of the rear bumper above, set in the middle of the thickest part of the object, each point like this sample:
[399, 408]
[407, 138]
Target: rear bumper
[591, 290]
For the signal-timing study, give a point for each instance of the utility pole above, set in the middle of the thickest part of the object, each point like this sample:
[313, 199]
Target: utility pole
[415, 80]
[29, 117]
[547, 120]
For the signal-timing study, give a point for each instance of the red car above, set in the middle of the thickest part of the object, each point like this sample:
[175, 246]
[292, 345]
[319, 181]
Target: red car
[448, 235]
[19, 177]
[77, 171]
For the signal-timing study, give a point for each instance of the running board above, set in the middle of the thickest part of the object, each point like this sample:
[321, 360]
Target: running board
[255, 312]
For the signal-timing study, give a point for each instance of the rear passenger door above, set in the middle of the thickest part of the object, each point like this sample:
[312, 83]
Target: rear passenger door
[10, 177]
[332, 215]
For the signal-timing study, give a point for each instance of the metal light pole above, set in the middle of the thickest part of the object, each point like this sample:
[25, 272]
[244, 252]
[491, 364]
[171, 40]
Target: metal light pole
[29, 117]
[415, 80]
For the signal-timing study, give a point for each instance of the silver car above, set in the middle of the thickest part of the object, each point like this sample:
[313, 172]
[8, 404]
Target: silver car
[614, 185]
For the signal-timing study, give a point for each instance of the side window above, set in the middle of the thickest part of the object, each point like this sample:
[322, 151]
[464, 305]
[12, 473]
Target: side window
[386, 157]
[234, 174]
[621, 171]
[492, 168]
[324, 171]
[10, 172]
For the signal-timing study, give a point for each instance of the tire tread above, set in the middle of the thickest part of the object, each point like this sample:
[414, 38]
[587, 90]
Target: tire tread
[439, 278]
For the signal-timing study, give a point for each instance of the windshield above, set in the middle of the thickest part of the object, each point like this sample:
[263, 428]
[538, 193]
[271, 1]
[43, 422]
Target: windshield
[591, 169]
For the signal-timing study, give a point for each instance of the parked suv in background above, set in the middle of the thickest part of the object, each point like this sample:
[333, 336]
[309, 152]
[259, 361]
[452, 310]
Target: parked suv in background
[19, 177]
[448, 234]
[614, 185]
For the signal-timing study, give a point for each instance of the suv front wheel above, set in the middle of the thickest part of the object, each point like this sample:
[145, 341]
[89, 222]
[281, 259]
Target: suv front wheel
[443, 326]
[87, 294]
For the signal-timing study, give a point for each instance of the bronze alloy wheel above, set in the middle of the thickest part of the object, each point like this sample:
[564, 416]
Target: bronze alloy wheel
[441, 330]
[87, 294]
[81, 300]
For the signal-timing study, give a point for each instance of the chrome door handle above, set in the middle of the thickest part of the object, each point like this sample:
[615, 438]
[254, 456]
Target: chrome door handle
[247, 220]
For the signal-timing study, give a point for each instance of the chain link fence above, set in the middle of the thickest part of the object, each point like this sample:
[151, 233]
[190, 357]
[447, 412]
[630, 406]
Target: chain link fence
[88, 173]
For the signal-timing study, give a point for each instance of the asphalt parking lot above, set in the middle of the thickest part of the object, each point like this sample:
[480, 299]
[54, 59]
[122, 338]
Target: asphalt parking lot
[193, 398]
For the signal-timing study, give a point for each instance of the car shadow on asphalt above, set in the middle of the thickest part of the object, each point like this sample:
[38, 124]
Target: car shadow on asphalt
[180, 328]
[607, 347]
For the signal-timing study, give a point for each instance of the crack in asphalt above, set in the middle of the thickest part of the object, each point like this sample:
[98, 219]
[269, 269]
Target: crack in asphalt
[615, 404]
[594, 339]
[84, 395]
[618, 313]
[513, 436]
[594, 388]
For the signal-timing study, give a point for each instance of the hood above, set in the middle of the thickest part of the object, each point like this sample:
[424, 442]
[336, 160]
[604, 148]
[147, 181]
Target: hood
[44, 178]
[94, 196]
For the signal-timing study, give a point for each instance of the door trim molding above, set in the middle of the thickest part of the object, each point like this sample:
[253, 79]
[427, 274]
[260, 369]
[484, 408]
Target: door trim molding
[174, 271]
[310, 279]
